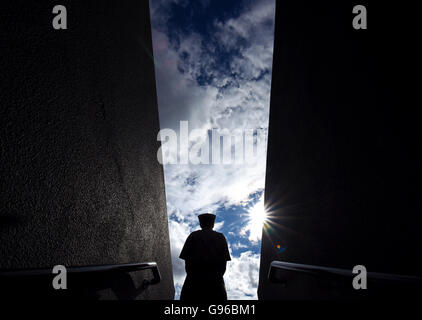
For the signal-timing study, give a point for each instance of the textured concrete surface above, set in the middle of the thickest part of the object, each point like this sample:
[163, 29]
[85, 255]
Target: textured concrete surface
[343, 169]
[80, 181]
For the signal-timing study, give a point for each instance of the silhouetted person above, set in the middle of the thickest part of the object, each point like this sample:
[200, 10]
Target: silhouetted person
[205, 253]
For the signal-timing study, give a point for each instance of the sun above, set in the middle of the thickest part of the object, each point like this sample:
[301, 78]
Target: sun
[257, 219]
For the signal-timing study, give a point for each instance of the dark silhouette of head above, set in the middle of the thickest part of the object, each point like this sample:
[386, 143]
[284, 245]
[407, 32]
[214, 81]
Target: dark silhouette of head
[206, 220]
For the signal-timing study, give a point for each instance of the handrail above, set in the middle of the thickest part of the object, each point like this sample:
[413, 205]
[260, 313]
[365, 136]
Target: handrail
[336, 273]
[113, 268]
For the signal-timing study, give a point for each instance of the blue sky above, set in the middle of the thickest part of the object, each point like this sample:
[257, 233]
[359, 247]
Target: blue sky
[213, 63]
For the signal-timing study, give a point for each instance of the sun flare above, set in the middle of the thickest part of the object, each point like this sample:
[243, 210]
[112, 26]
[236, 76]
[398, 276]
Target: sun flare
[257, 218]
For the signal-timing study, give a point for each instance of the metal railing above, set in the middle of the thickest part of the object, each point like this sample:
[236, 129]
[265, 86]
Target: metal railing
[125, 268]
[84, 278]
[278, 268]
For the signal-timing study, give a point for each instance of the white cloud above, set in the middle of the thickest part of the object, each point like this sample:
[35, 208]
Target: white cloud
[218, 225]
[242, 276]
[239, 245]
[179, 231]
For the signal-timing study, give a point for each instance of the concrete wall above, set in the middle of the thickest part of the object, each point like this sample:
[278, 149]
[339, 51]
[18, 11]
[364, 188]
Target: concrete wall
[79, 177]
[344, 166]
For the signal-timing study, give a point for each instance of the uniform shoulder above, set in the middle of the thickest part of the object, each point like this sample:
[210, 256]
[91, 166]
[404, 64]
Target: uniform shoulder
[195, 233]
[220, 235]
